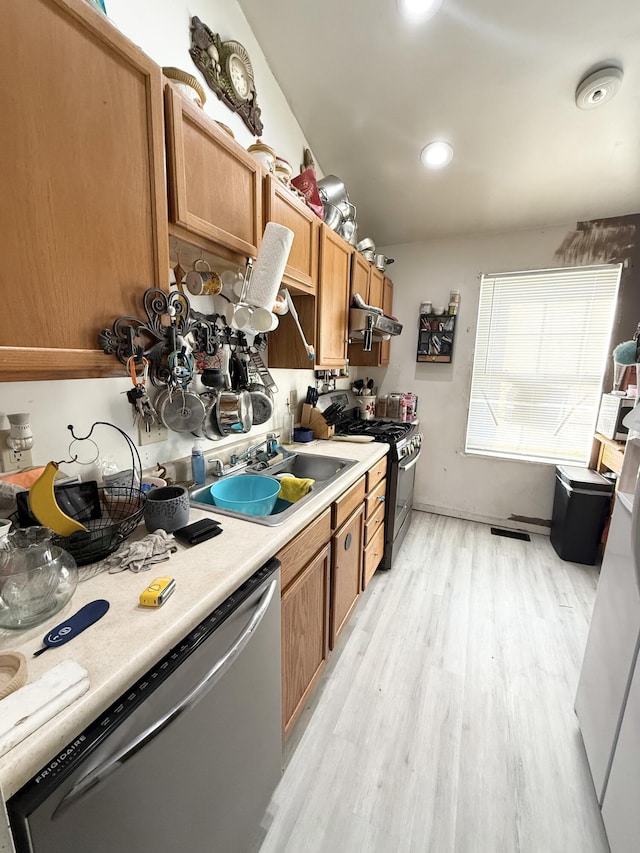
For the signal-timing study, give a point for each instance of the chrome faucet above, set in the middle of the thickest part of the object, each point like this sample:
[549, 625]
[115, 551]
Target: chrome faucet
[270, 444]
[239, 461]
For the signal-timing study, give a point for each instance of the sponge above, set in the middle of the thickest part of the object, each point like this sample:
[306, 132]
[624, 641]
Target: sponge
[294, 488]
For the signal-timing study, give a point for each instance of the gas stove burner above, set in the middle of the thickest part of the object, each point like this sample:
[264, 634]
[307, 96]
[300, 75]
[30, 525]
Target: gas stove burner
[388, 431]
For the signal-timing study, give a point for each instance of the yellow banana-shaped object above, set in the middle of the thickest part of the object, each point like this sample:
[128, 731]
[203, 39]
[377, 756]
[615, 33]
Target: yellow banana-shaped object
[42, 499]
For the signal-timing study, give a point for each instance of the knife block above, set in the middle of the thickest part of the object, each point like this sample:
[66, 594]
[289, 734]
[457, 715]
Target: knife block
[312, 418]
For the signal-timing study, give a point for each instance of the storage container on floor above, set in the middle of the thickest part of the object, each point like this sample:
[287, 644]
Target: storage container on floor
[581, 506]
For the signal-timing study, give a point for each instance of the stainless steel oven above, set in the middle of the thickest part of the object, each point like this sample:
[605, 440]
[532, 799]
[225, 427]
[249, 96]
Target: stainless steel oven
[400, 486]
[404, 440]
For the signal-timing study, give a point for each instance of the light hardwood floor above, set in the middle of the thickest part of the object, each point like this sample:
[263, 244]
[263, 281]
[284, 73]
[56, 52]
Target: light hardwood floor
[444, 721]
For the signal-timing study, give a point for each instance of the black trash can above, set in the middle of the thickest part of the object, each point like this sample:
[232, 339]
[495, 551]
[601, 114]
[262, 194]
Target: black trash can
[581, 507]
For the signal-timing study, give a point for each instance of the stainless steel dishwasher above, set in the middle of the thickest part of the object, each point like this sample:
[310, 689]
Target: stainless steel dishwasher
[187, 759]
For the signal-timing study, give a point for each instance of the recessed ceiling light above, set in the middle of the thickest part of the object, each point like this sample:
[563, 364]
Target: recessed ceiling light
[435, 155]
[418, 10]
[598, 88]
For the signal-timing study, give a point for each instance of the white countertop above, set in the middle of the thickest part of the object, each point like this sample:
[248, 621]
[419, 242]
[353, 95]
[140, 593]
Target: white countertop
[129, 639]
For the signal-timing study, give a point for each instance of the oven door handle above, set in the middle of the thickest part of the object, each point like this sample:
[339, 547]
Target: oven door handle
[198, 692]
[409, 465]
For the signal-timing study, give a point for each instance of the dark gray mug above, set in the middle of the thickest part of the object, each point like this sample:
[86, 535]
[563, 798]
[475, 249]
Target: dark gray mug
[166, 508]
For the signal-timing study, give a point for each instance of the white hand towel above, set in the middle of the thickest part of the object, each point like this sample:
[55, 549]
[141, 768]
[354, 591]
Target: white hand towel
[268, 269]
[28, 708]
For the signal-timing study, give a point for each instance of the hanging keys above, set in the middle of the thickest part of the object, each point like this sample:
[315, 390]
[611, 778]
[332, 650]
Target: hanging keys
[137, 396]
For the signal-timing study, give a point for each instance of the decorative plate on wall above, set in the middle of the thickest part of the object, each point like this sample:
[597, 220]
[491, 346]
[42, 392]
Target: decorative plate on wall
[228, 71]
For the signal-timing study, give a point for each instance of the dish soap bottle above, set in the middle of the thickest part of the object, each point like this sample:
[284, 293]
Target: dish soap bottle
[198, 466]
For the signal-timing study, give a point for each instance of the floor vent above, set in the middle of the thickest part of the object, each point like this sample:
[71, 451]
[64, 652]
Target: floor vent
[511, 534]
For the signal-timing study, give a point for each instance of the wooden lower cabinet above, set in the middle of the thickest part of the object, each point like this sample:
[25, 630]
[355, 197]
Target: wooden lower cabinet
[305, 578]
[305, 635]
[373, 554]
[375, 509]
[346, 571]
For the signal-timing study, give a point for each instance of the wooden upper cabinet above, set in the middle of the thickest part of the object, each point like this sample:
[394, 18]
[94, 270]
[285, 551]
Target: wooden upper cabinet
[282, 206]
[359, 277]
[214, 184]
[366, 280]
[333, 299]
[387, 307]
[83, 212]
[380, 351]
[375, 287]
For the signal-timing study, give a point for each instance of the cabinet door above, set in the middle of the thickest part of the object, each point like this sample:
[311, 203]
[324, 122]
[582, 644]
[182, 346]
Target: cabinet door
[214, 184]
[360, 268]
[346, 571]
[376, 287]
[333, 299]
[301, 272]
[380, 350]
[372, 555]
[305, 635]
[620, 811]
[387, 307]
[83, 212]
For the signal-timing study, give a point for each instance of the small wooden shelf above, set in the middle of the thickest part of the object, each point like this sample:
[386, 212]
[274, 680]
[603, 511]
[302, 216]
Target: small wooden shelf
[435, 338]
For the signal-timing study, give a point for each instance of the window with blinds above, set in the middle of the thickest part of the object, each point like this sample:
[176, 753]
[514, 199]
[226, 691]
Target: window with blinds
[541, 350]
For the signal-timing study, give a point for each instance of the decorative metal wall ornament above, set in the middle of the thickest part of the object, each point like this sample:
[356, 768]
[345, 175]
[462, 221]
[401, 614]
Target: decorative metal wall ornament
[169, 320]
[228, 71]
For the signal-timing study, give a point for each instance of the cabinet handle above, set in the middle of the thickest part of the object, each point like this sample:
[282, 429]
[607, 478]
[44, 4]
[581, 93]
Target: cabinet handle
[347, 541]
[381, 498]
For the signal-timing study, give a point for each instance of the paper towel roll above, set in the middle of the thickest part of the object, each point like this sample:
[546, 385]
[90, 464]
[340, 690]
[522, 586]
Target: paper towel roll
[269, 267]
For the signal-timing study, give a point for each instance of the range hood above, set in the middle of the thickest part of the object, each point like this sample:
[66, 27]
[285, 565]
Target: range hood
[371, 325]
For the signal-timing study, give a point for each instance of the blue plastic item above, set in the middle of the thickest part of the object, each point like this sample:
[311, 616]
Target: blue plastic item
[251, 494]
[198, 466]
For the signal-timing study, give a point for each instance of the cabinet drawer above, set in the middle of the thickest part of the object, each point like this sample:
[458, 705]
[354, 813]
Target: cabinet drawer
[376, 473]
[375, 498]
[372, 556]
[300, 550]
[345, 505]
[373, 522]
[612, 458]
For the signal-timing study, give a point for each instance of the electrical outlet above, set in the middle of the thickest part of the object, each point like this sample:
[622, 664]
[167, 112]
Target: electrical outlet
[157, 433]
[13, 460]
[293, 399]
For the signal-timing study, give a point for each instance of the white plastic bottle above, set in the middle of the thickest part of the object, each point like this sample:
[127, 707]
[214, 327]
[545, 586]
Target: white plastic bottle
[198, 467]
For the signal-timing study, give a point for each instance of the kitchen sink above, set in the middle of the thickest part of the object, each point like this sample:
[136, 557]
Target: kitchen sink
[323, 469]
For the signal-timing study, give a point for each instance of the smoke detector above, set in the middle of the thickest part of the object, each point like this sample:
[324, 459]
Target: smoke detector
[598, 88]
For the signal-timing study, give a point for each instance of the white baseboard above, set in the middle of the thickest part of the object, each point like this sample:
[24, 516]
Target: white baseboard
[505, 523]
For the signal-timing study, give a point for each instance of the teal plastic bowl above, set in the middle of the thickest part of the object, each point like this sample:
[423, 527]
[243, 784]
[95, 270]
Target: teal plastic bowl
[247, 493]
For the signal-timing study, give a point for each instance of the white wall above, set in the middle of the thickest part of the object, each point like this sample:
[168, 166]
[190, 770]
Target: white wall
[161, 29]
[449, 481]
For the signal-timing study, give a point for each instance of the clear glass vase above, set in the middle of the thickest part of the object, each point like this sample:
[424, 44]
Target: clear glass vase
[37, 578]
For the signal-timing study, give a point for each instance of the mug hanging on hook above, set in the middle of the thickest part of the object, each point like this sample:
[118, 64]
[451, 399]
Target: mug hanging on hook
[203, 282]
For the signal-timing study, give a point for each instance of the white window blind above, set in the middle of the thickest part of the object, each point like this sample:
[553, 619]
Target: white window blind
[541, 350]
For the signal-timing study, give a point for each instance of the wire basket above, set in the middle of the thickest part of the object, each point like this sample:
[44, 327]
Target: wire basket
[114, 515]
[121, 509]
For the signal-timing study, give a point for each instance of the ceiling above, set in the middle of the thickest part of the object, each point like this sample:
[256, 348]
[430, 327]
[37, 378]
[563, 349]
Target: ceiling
[495, 78]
